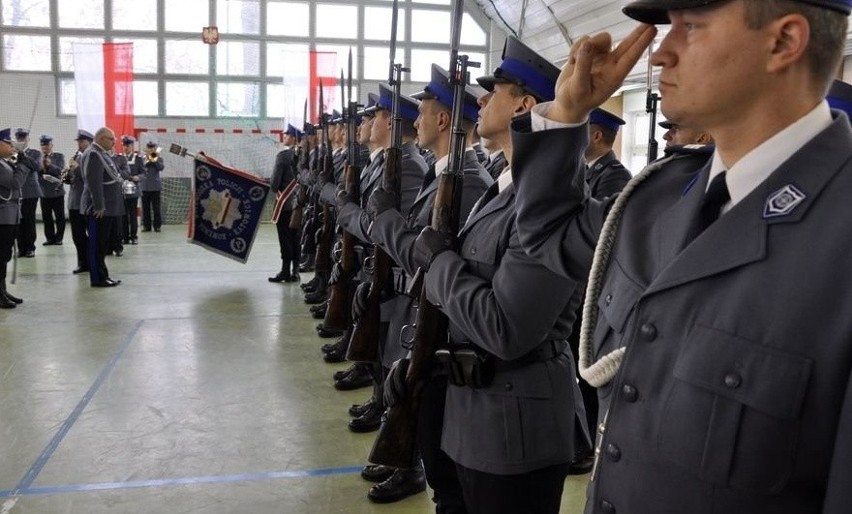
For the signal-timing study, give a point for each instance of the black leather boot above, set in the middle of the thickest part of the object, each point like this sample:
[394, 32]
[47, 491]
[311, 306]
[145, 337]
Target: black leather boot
[370, 421]
[402, 484]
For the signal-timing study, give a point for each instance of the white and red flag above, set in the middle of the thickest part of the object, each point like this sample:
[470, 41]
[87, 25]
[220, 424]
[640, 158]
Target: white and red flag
[103, 75]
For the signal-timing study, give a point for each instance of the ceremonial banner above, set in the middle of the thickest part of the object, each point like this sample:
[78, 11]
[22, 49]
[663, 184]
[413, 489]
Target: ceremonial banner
[103, 77]
[226, 208]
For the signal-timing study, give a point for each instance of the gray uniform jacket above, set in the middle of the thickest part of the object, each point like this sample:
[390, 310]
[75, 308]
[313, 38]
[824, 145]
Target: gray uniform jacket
[51, 188]
[151, 179]
[396, 235]
[607, 176]
[496, 165]
[32, 163]
[102, 189]
[507, 304]
[734, 394]
[75, 192]
[129, 168]
[282, 174]
[11, 179]
[353, 219]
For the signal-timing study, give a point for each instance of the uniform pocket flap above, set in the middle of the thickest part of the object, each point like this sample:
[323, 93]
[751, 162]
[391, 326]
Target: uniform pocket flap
[531, 381]
[762, 378]
[617, 299]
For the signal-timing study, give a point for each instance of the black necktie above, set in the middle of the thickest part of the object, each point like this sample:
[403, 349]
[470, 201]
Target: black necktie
[716, 196]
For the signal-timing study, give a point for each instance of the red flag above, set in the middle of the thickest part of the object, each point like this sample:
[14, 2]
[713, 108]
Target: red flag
[103, 74]
[323, 69]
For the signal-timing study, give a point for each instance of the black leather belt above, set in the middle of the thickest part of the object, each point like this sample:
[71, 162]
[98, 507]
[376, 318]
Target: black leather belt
[467, 365]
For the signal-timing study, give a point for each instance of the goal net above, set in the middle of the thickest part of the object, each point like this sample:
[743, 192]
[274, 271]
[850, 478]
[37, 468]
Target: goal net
[251, 151]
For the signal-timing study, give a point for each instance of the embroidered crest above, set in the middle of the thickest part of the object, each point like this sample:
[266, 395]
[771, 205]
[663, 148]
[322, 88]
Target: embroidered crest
[783, 201]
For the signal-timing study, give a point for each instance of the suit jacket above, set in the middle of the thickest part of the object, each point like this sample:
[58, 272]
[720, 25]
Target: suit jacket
[507, 304]
[49, 188]
[396, 235]
[151, 178]
[11, 179]
[496, 165]
[734, 394]
[31, 160]
[102, 183]
[283, 173]
[607, 176]
[75, 192]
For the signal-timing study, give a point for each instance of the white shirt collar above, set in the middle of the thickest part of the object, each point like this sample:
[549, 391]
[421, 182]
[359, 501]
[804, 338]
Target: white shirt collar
[757, 165]
[505, 179]
[375, 153]
[441, 164]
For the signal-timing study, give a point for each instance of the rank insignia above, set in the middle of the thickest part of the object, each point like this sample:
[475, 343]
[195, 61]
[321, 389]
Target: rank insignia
[783, 201]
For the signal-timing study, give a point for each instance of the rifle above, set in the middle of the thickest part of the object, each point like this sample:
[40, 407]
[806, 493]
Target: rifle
[395, 444]
[364, 345]
[651, 100]
[339, 311]
[302, 196]
[325, 166]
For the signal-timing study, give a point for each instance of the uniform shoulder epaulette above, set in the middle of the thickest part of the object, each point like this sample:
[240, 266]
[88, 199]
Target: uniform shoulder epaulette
[694, 149]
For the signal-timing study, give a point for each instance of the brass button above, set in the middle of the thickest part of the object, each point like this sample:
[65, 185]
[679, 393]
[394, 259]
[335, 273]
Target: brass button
[733, 381]
[608, 299]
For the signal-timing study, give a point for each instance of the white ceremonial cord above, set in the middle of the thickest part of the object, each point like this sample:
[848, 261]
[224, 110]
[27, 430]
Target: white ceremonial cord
[601, 372]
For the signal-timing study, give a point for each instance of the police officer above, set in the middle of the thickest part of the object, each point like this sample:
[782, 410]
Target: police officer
[395, 232]
[512, 409]
[676, 135]
[101, 202]
[53, 192]
[724, 375]
[11, 179]
[74, 177]
[30, 193]
[152, 187]
[129, 163]
[288, 238]
[840, 96]
[605, 175]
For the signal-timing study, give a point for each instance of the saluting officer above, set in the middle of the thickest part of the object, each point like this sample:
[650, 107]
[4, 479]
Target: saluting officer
[29, 158]
[11, 179]
[716, 326]
[511, 409]
[605, 175]
[53, 192]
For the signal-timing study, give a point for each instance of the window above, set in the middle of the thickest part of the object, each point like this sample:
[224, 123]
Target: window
[146, 98]
[67, 97]
[144, 54]
[284, 60]
[26, 13]
[187, 15]
[287, 19]
[376, 62]
[187, 57]
[81, 15]
[421, 63]
[337, 21]
[24, 52]
[238, 16]
[237, 99]
[377, 23]
[66, 50]
[134, 15]
[238, 58]
[187, 99]
[430, 26]
[472, 33]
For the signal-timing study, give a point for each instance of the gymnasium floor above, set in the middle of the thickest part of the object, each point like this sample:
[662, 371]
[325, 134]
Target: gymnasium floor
[194, 386]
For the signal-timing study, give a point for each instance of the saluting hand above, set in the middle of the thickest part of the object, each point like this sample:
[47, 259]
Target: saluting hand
[594, 72]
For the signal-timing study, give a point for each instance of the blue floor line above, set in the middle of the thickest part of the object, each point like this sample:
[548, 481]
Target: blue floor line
[42, 459]
[220, 479]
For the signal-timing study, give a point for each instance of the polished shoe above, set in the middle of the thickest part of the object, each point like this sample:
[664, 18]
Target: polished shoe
[118, 253]
[342, 373]
[294, 277]
[310, 284]
[113, 282]
[105, 283]
[402, 484]
[28, 254]
[13, 299]
[79, 270]
[146, 230]
[370, 421]
[156, 230]
[282, 276]
[377, 472]
[316, 297]
[582, 462]
[335, 356]
[134, 241]
[358, 379]
[330, 347]
[358, 410]
[326, 333]
[6, 303]
[320, 312]
[48, 243]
